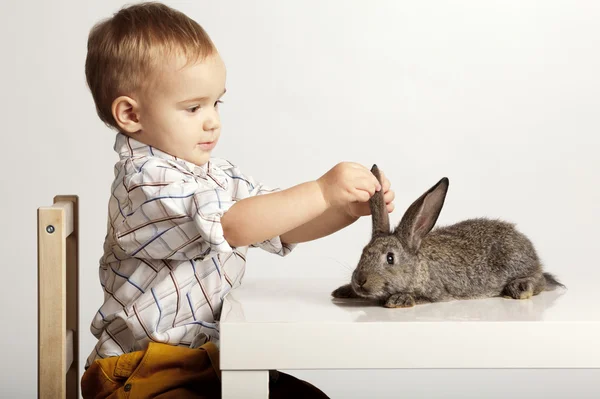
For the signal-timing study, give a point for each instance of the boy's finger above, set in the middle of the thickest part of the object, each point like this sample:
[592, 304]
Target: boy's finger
[362, 195]
[386, 185]
[368, 183]
[389, 196]
[383, 176]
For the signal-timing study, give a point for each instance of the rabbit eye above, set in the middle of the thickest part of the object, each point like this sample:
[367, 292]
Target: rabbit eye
[390, 258]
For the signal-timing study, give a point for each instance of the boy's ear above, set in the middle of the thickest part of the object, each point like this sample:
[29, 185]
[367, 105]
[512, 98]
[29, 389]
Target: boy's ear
[125, 110]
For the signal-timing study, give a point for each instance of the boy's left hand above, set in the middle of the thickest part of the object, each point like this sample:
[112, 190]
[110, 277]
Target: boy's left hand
[358, 209]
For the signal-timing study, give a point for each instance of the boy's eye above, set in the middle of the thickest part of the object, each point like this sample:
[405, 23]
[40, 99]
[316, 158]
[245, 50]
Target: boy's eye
[390, 258]
[197, 107]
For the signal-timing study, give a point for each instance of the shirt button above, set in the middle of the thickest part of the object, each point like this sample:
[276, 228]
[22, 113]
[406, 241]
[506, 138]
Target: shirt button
[127, 387]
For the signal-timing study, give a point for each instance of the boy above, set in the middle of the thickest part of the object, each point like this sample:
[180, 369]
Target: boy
[180, 222]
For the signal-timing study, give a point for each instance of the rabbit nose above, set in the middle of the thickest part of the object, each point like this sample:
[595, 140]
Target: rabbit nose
[361, 279]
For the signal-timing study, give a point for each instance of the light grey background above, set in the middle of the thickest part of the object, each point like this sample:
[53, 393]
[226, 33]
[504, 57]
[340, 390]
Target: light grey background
[500, 96]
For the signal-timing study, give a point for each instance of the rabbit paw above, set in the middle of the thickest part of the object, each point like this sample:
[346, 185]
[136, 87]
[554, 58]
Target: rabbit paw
[521, 288]
[345, 291]
[400, 301]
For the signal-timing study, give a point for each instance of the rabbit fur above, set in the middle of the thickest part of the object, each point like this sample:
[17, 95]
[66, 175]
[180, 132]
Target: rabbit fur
[475, 258]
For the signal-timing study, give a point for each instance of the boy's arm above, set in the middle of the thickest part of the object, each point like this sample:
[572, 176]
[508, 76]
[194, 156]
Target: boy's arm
[330, 221]
[259, 218]
[337, 218]
[301, 213]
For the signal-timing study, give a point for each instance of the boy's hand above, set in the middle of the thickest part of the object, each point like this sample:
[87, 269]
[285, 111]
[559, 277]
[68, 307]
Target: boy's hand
[347, 182]
[350, 186]
[358, 209]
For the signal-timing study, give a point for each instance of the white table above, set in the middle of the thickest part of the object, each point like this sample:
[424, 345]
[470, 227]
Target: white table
[296, 324]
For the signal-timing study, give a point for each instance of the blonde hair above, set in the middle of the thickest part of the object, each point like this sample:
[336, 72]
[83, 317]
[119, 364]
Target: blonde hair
[125, 50]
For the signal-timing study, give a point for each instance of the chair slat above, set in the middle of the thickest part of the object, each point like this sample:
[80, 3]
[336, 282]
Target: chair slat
[58, 299]
[52, 266]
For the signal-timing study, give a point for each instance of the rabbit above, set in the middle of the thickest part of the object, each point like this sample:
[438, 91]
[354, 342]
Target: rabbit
[475, 258]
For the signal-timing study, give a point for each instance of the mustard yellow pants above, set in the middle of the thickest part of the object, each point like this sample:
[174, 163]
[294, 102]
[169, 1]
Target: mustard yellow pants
[168, 372]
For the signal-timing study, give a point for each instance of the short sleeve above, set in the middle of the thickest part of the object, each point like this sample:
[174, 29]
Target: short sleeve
[167, 213]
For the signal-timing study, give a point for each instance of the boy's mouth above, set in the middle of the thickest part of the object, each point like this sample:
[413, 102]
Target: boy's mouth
[207, 145]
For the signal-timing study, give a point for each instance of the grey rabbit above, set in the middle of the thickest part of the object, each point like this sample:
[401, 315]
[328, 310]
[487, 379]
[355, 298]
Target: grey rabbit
[475, 258]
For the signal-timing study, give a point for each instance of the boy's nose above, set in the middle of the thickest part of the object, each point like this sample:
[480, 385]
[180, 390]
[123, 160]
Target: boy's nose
[211, 125]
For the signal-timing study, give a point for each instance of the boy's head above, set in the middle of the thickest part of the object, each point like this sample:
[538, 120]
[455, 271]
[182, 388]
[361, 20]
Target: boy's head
[156, 76]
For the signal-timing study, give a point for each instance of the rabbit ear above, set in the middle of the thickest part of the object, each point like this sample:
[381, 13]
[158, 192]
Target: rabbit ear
[421, 216]
[381, 220]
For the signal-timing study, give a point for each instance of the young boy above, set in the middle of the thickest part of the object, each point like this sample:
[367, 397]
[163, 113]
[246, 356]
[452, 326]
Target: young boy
[180, 222]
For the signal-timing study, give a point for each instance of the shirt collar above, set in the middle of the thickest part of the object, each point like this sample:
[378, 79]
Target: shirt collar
[128, 147]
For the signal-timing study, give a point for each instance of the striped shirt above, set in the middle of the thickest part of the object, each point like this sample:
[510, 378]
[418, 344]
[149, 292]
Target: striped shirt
[166, 266]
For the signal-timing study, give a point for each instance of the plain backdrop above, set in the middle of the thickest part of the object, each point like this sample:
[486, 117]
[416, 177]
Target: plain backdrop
[500, 96]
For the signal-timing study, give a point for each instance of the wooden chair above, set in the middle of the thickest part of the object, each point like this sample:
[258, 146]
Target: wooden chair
[58, 305]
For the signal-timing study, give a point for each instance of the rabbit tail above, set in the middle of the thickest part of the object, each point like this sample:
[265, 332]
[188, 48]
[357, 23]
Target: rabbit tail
[552, 282]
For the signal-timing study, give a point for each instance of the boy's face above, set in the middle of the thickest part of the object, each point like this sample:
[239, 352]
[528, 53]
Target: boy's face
[179, 115]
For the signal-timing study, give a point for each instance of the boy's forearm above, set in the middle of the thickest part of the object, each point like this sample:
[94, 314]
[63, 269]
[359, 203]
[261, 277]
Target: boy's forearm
[330, 221]
[256, 219]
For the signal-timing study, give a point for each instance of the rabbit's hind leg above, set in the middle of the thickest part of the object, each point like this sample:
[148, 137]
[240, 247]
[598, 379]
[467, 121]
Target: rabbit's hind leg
[522, 288]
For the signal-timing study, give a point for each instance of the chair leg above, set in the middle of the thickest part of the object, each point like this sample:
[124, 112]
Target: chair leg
[72, 291]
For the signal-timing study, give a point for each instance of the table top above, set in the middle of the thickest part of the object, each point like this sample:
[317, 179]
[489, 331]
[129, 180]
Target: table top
[309, 300]
[294, 323]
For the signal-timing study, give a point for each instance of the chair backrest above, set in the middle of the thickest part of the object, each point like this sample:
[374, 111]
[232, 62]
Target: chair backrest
[58, 299]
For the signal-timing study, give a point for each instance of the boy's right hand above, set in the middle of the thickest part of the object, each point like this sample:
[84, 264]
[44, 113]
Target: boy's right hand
[348, 182]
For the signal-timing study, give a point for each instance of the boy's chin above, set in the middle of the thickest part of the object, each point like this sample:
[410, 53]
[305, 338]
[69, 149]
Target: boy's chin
[200, 158]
